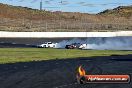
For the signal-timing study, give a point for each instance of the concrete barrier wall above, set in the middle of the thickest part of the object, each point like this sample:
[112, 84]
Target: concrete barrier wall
[62, 34]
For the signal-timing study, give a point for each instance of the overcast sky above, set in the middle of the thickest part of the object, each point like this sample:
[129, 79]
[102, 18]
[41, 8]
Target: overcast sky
[84, 6]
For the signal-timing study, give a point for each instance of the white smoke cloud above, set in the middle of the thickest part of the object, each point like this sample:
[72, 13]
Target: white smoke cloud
[113, 43]
[63, 43]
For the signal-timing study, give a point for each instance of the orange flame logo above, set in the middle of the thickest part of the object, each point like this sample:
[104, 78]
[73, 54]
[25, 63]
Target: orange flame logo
[81, 71]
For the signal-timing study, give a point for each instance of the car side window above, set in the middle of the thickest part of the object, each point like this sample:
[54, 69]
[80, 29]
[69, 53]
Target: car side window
[49, 43]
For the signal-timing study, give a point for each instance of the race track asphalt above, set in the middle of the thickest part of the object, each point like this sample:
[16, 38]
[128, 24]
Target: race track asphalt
[27, 42]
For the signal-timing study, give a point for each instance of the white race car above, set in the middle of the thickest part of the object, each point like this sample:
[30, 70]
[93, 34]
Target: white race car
[47, 45]
[83, 46]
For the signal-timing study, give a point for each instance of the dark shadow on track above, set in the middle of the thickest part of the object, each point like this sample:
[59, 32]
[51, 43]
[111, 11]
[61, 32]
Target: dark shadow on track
[122, 58]
[15, 45]
[61, 73]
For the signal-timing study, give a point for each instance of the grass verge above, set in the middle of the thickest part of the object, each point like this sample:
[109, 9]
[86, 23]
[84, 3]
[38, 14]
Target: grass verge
[13, 55]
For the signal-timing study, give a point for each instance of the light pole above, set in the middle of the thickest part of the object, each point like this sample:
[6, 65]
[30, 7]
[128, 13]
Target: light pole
[41, 5]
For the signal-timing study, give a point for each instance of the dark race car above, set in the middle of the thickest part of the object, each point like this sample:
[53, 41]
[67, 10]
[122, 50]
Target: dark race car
[73, 46]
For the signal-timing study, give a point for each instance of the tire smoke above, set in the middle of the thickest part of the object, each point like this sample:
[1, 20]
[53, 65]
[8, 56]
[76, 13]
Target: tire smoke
[101, 43]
